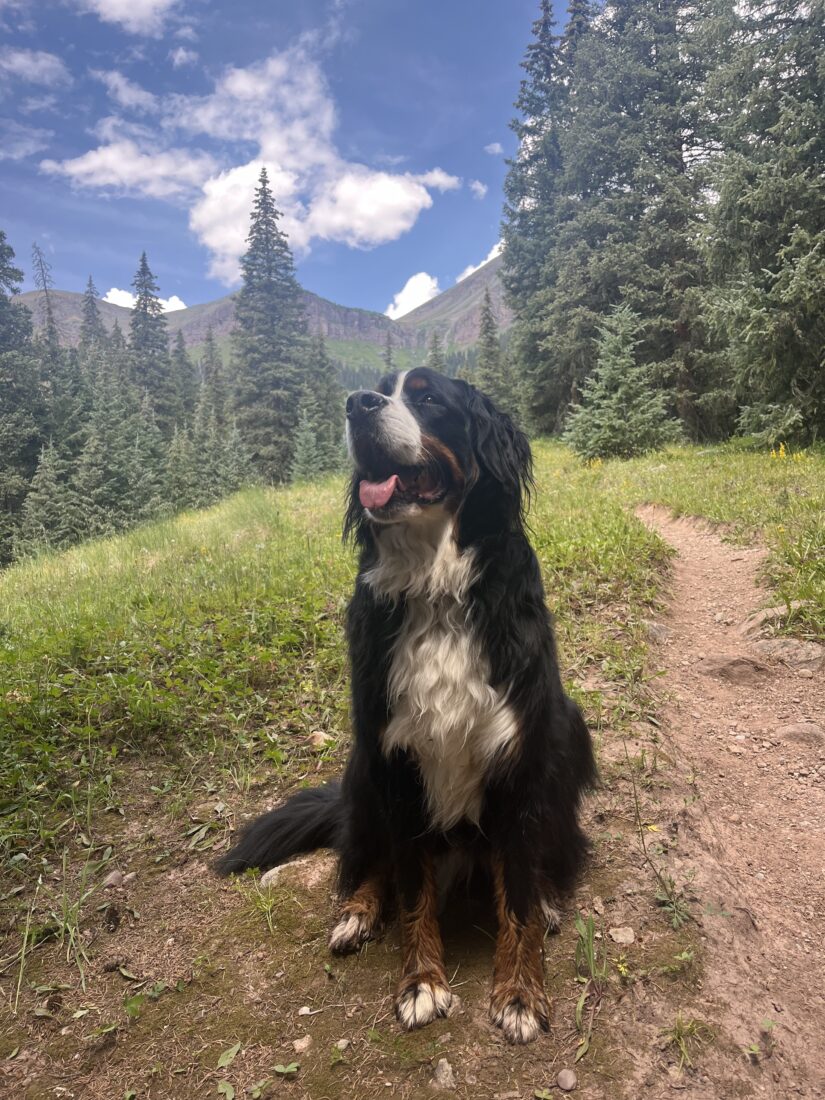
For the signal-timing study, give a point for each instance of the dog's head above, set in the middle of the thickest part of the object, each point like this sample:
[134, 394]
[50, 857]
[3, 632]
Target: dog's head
[422, 442]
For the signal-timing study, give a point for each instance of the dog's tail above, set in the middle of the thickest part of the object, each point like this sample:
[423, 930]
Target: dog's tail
[310, 819]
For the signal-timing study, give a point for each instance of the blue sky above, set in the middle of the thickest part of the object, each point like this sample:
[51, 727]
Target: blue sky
[142, 124]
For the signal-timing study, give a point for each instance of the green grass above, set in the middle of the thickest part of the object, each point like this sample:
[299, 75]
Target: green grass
[221, 632]
[778, 498]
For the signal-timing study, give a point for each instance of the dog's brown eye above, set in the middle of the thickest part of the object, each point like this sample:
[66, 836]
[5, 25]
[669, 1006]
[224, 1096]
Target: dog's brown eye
[426, 399]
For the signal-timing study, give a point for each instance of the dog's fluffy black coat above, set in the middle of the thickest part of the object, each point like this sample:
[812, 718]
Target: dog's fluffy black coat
[379, 819]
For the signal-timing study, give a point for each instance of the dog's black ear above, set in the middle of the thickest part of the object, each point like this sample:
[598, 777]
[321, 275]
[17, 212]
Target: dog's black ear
[501, 451]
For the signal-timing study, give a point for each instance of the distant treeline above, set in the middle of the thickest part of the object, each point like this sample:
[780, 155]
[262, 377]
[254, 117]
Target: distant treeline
[125, 427]
[666, 211]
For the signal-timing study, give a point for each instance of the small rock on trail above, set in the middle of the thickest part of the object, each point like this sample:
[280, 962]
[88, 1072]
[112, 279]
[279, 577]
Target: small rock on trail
[443, 1078]
[567, 1080]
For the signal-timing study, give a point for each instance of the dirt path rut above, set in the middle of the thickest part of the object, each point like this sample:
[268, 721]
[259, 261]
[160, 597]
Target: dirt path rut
[746, 722]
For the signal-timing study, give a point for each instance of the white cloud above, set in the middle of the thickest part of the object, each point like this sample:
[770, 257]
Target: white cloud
[491, 255]
[126, 299]
[125, 92]
[34, 66]
[135, 16]
[478, 189]
[17, 142]
[34, 104]
[283, 109]
[495, 149]
[125, 169]
[181, 56]
[417, 290]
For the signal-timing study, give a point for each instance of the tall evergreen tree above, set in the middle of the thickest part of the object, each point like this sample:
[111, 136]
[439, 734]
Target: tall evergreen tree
[435, 353]
[151, 367]
[269, 341]
[182, 473]
[213, 379]
[145, 466]
[322, 403]
[387, 354]
[306, 457]
[184, 376]
[22, 409]
[48, 508]
[766, 237]
[92, 332]
[42, 275]
[489, 372]
[622, 413]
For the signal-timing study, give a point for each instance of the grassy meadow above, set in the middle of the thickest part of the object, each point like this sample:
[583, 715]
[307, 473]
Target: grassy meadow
[189, 663]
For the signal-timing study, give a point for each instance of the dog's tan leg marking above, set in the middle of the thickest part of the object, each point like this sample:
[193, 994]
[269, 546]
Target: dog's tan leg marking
[423, 993]
[359, 918]
[517, 1002]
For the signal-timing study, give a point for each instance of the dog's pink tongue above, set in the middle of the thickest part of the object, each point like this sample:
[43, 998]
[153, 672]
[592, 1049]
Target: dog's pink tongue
[375, 494]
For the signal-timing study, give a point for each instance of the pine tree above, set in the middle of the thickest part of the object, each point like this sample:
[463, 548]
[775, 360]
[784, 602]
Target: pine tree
[620, 217]
[435, 353]
[322, 400]
[185, 377]
[48, 507]
[766, 239]
[22, 409]
[213, 379]
[622, 414]
[235, 464]
[92, 332]
[306, 458]
[145, 467]
[489, 373]
[182, 474]
[42, 275]
[269, 341]
[151, 368]
[386, 354]
[206, 448]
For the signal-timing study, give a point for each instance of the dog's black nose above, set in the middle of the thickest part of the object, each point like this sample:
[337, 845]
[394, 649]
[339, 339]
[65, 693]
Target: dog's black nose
[362, 402]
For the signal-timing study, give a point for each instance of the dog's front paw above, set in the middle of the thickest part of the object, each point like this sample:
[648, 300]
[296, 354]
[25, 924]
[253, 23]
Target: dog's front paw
[351, 931]
[520, 1015]
[422, 998]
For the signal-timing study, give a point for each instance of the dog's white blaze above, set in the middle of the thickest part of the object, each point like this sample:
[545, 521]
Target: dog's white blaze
[444, 710]
[398, 429]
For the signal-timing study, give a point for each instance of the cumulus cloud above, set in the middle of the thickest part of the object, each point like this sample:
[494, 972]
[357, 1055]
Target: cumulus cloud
[417, 290]
[181, 56]
[34, 67]
[17, 142]
[495, 149]
[282, 108]
[134, 16]
[478, 189]
[125, 92]
[491, 255]
[127, 299]
[122, 167]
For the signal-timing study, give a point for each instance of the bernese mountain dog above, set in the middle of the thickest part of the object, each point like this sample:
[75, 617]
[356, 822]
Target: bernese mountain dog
[465, 746]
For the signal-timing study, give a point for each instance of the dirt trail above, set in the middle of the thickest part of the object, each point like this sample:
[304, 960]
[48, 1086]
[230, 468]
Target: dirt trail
[748, 737]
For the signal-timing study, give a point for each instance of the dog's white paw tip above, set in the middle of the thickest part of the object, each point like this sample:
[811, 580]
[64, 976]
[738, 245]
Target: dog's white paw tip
[519, 1023]
[421, 1003]
[348, 934]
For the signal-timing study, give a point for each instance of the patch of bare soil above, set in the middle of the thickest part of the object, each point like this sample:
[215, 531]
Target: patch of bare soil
[746, 723]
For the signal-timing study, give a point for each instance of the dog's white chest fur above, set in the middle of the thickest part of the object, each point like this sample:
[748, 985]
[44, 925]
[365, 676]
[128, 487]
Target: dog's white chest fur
[443, 710]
